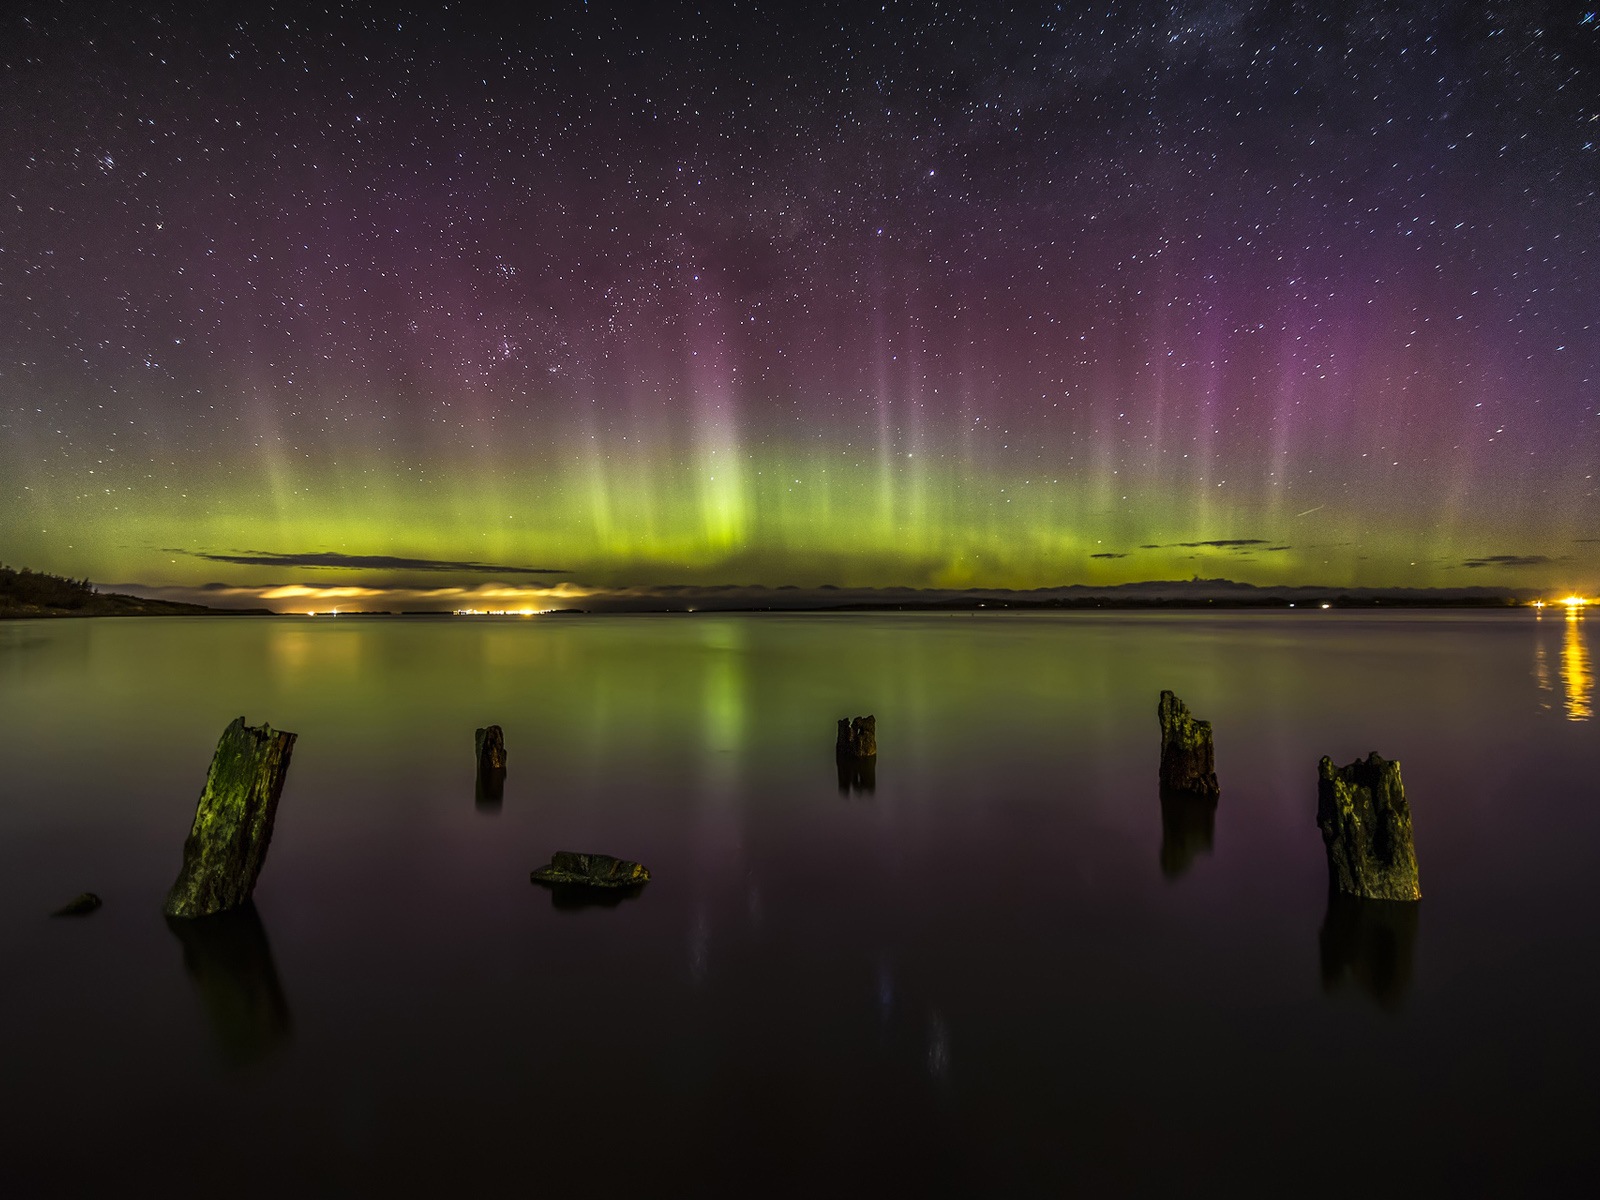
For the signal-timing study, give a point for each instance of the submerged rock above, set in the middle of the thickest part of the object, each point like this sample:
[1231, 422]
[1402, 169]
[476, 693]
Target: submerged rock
[491, 751]
[1366, 829]
[568, 869]
[80, 905]
[858, 738]
[1187, 760]
[227, 843]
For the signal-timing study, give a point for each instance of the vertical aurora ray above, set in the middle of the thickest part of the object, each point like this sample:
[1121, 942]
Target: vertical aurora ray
[807, 304]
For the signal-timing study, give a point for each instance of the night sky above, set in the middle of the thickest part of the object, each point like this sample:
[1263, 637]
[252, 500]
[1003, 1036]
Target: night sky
[922, 295]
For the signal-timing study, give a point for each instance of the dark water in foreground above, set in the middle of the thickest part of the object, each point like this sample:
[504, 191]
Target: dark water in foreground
[1003, 971]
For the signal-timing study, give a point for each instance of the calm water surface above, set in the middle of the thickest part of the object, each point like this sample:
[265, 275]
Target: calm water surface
[1006, 969]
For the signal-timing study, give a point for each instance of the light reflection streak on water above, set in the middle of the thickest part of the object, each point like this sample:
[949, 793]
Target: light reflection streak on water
[1541, 675]
[1576, 677]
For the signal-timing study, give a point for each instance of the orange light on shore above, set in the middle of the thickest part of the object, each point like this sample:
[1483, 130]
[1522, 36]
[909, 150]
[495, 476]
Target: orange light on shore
[1575, 601]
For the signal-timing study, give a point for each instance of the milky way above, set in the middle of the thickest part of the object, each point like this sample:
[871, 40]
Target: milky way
[927, 296]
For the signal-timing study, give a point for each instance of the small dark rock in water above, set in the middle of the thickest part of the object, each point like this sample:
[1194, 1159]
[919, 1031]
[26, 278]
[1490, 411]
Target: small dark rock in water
[79, 906]
[590, 870]
[857, 738]
[491, 744]
[227, 844]
[1366, 829]
[1187, 763]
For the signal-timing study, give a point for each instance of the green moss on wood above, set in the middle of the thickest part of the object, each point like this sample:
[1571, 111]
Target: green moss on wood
[591, 870]
[227, 844]
[1187, 758]
[857, 738]
[1366, 828]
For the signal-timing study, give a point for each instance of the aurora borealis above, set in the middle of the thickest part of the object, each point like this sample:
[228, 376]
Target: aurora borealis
[924, 295]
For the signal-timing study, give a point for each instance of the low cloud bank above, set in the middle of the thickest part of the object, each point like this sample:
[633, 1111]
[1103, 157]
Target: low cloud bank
[305, 597]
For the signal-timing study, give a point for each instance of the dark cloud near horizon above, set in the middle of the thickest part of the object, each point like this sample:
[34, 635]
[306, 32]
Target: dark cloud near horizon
[1108, 554]
[1215, 543]
[1509, 560]
[368, 562]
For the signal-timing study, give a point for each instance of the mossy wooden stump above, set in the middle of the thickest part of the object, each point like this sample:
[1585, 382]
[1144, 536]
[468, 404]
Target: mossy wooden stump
[1187, 759]
[1366, 829]
[227, 844]
[490, 744]
[858, 738]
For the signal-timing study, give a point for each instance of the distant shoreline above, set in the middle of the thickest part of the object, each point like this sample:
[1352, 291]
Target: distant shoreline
[30, 595]
[156, 608]
[115, 604]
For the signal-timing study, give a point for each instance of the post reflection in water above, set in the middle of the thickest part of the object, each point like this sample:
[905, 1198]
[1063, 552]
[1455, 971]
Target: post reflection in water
[230, 963]
[857, 775]
[1371, 941]
[1188, 824]
[489, 792]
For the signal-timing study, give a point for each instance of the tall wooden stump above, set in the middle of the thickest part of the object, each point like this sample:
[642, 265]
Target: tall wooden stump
[227, 844]
[1366, 829]
[858, 738]
[1187, 759]
[490, 744]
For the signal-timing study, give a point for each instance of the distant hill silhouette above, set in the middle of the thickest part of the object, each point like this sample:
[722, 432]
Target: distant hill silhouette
[28, 593]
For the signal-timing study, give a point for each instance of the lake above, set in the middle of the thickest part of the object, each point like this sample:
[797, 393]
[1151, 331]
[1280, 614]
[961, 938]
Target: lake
[1003, 969]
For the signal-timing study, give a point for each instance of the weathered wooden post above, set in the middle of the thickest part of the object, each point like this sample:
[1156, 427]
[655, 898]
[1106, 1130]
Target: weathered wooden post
[1187, 759]
[1366, 829]
[227, 844]
[856, 751]
[857, 738]
[491, 750]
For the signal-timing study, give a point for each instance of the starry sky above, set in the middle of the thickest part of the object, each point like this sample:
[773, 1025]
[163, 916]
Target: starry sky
[588, 296]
